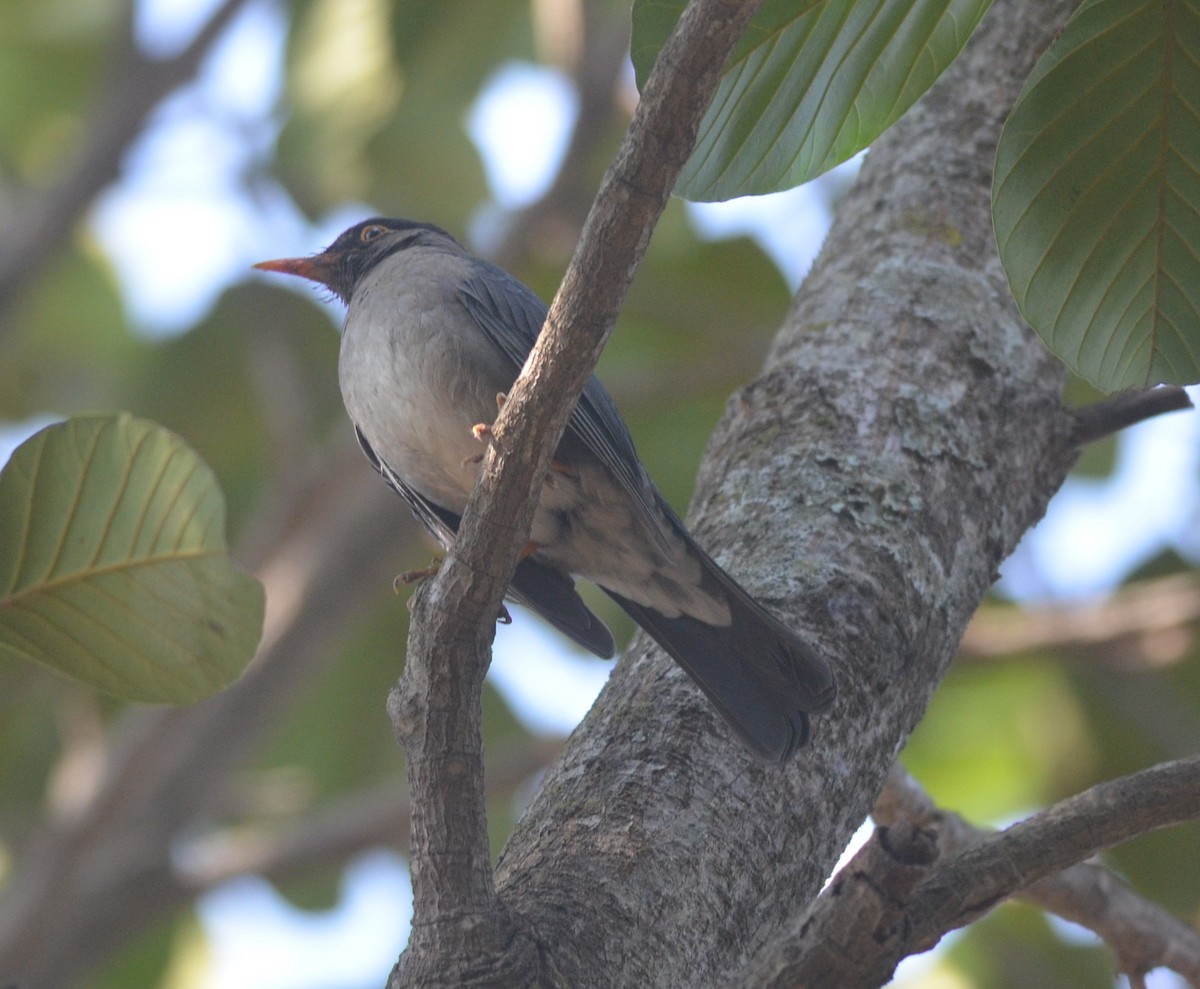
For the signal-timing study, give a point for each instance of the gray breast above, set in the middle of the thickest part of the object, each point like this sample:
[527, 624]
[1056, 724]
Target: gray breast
[416, 373]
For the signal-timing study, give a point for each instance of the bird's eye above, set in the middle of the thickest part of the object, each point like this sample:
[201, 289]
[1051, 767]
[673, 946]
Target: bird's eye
[371, 232]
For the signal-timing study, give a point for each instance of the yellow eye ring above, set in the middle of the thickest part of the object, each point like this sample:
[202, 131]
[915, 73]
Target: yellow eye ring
[370, 233]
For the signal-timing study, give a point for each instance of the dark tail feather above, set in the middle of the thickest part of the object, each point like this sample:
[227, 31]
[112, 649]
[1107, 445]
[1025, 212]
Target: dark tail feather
[551, 593]
[758, 673]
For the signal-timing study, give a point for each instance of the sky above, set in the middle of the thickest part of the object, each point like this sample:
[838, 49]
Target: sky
[186, 173]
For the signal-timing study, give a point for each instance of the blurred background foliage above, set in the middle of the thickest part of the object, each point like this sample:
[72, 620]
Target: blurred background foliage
[260, 129]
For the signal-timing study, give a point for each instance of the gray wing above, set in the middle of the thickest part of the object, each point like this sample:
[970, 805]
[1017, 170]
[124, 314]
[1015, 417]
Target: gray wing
[538, 586]
[512, 316]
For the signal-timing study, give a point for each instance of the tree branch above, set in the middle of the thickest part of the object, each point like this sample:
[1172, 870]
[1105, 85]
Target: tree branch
[377, 817]
[319, 565]
[1141, 933]
[970, 883]
[926, 871]
[459, 928]
[1125, 409]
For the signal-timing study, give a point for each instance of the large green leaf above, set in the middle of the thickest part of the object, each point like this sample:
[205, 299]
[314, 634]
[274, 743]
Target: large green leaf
[113, 564]
[810, 85]
[1097, 194]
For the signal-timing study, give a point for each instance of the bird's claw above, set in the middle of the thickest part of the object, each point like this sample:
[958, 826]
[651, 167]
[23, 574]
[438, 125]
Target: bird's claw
[410, 577]
[482, 431]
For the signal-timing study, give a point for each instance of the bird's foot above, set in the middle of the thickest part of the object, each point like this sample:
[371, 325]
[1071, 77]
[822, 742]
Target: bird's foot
[482, 431]
[410, 577]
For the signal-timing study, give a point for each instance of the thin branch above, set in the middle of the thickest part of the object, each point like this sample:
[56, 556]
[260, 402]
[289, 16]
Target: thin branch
[321, 572]
[900, 894]
[435, 706]
[1142, 934]
[1125, 409]
[1043, 850]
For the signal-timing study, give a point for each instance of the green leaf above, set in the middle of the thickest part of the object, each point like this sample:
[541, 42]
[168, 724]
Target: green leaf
[1096, 198]
[113, 564]
[810, 85]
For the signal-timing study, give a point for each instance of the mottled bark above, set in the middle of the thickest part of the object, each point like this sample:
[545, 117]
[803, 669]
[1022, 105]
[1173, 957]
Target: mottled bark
[904, 434]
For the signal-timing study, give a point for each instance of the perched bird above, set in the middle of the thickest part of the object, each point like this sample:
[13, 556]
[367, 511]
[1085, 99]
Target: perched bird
[434, 339]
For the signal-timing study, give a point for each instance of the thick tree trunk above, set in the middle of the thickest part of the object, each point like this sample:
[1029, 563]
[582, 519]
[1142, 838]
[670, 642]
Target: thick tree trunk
[904, 434]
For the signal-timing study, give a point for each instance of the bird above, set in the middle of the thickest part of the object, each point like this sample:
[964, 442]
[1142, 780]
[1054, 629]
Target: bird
[433, 340]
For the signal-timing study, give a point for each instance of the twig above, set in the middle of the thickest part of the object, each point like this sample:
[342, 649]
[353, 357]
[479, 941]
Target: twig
[1142, 934]
[321, 572]
[1127, 408]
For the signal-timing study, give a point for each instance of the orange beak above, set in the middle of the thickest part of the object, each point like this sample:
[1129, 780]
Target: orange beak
[316, 269]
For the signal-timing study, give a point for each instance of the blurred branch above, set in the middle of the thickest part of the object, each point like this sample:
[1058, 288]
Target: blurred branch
[459, 928]
[1145, 625]
[42, 219]
[1127, 408]
[378, 817]
[555, 219]
[1142, 934]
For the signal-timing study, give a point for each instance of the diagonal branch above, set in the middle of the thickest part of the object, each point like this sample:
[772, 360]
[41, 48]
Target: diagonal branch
[436, 706]
[967, 885]
[1142, 934]
[926, 871]
[319, 567]
[329, 837]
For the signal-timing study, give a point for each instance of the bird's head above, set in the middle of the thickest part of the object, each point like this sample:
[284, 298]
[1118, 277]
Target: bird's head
[356, 251]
